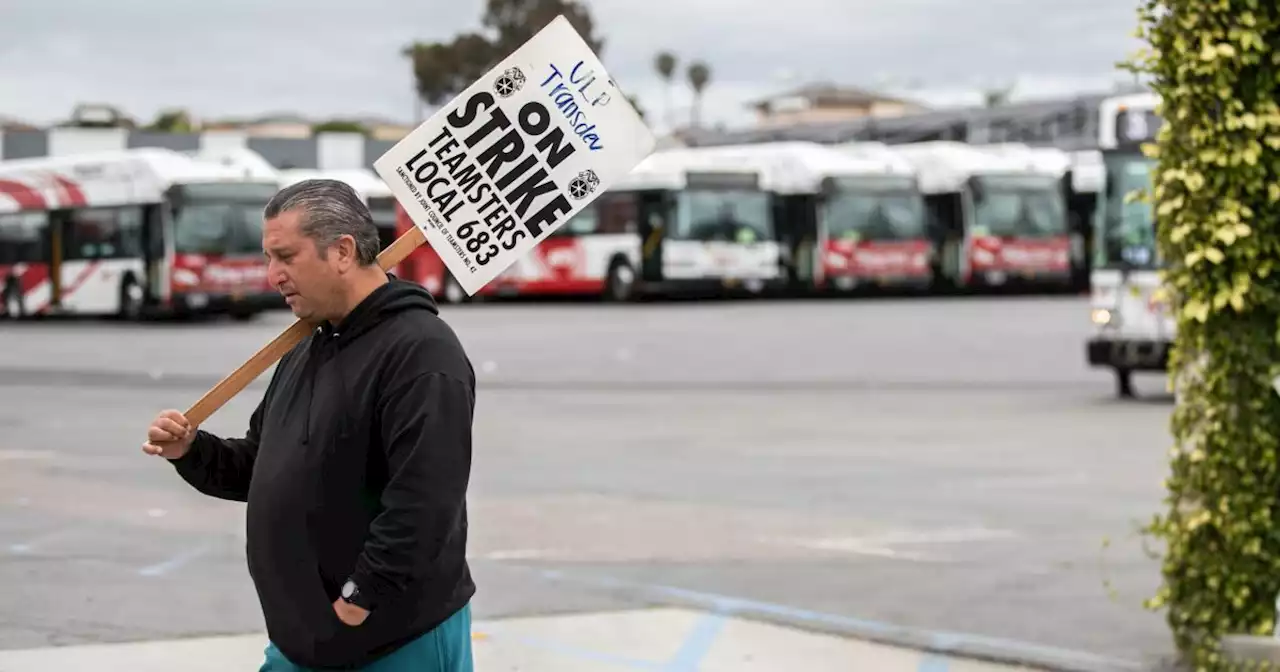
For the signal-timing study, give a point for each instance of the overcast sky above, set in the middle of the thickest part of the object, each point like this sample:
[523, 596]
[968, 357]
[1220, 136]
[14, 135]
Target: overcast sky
[322, 58]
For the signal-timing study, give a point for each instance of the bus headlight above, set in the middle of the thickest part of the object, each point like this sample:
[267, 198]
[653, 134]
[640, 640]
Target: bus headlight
[1103, 317]
[183, 277]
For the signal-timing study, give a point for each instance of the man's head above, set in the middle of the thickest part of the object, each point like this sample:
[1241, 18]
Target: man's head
[321, 246]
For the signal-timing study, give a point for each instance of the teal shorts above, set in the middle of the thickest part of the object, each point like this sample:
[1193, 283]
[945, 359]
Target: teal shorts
[447, 648]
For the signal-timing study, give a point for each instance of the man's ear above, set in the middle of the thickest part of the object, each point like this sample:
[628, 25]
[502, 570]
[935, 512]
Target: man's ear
[345, 248]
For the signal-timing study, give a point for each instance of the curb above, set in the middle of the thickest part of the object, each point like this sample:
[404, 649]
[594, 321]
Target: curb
[941, 643]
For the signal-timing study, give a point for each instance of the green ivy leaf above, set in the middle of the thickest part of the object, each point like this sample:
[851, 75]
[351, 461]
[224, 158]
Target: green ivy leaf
[1196, 310]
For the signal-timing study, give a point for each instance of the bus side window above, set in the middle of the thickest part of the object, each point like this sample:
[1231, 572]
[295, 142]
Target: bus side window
[21, 236]
[132, 232]
[617, 215]
[103, 233]
[584, 223]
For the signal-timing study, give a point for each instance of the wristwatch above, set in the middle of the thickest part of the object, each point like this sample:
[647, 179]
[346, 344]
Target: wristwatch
[351, 593]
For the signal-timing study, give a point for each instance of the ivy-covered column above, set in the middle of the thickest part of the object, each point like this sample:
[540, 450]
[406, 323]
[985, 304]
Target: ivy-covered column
[1216, 66]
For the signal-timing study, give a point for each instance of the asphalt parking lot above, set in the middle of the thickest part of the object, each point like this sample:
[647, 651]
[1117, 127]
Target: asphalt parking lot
[944, 465]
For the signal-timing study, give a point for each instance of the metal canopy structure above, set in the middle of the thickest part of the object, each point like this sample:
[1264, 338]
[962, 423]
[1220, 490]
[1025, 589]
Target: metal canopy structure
[1069, 124]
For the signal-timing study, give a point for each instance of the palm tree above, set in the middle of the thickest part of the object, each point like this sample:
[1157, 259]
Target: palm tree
[699, 74]
[997, 96]
[666, 64]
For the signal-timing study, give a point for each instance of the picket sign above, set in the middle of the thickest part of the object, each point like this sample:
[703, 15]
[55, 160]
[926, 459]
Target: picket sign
[493, 173]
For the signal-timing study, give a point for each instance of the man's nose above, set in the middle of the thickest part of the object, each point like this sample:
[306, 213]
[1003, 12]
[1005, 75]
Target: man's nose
[275, 274]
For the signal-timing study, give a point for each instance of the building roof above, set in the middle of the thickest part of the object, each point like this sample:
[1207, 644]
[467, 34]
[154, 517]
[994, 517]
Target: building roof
[8, 123]
[828, 93]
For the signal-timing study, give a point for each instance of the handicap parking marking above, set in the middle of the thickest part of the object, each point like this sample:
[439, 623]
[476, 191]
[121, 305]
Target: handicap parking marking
[697, 644]
[933, 643]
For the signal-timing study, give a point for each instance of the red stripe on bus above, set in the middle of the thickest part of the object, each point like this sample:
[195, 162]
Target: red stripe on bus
[26, 197]
[32, 277]
[74, 195]
[71, 287]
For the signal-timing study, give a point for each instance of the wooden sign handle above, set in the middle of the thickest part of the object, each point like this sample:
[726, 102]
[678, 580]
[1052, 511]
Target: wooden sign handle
[271, 353]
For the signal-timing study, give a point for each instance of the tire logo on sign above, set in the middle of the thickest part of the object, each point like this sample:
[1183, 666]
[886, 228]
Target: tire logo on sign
[510, 81]
[584, 184]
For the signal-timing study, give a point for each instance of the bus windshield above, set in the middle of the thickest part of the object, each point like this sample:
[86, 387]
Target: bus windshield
[1017, 206]
[383, 211]
[728, 215]
[894, 213]
[1126, 231]
[220, 219]
[584, 222]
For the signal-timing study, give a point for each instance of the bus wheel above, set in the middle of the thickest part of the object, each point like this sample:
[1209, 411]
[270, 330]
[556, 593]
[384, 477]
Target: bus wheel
[620, 283]
[13, 305]
[131, 298]
[1124, 384]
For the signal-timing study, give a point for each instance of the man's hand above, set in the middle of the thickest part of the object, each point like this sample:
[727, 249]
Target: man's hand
[349, 613]
[169, 436]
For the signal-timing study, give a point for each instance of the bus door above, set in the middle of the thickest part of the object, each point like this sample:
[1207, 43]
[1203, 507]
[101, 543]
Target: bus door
[24, 241]
[654, 212]
[948, 229]
[53, 244]
[797, 233]
[1081, 206]
[154, 252]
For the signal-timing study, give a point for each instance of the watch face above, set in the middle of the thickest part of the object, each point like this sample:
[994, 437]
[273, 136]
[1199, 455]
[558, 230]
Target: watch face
[348, 589]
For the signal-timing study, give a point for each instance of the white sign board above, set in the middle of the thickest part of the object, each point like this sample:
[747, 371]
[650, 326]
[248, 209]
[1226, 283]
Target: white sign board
[515, 155]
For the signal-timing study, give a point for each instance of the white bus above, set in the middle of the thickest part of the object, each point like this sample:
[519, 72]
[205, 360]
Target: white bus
[250, 164]
[683, 220]
[1080, 176]
[131, 232]
[1002, 219]
[848, 217]
[1134, 330]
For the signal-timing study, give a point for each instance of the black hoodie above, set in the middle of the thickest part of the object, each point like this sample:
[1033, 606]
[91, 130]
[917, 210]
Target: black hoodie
[356, 466]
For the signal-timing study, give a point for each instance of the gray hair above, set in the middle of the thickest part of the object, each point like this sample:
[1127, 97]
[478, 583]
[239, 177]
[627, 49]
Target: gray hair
[331, 209]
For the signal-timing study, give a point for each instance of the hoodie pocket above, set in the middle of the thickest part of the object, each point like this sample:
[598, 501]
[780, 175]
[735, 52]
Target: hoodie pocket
[332, 625]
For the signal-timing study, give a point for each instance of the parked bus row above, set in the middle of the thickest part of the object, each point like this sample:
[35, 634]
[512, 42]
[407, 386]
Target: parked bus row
[153, 229]
[130, 232]
[147, 230]
[798, 218]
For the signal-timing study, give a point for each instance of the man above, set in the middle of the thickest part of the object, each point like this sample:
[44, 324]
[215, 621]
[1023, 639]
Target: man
[356, 461]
